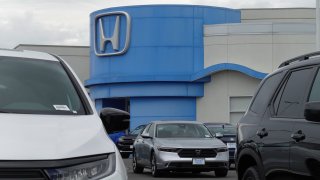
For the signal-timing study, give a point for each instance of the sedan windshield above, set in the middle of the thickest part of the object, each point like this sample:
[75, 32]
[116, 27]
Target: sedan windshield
[137, 130]
[30, 86]
[223, 130]
[182, 131]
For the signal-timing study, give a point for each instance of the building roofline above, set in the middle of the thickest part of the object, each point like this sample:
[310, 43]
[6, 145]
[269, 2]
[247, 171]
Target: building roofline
[47, 45]
[293, 8]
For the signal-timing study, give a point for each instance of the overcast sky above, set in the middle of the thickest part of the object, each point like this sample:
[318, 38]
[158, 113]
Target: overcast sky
[66, 22]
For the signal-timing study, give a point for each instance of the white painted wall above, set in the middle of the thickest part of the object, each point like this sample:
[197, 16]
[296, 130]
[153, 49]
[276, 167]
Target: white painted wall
[264, 39]
[259, 46]
[215, 106]
[278, 15]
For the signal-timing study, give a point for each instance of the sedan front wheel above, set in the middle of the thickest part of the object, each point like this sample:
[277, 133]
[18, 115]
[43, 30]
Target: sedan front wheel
[154, 169]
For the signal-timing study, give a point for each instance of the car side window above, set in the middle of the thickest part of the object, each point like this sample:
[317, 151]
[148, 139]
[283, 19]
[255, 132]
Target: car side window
[151, 130]
[145, 131]
[266, 90]
[291, 99]
[315, 91]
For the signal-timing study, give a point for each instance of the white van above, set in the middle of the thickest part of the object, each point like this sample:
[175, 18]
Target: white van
[49, 128]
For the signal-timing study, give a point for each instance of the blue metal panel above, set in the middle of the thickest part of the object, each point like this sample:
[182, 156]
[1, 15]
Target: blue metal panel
[147, 89]
[229, 66]
[165, 40]
[145, 110]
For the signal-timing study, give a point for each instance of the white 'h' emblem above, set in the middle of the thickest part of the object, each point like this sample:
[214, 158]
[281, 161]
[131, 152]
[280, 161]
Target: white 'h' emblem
[115, 37]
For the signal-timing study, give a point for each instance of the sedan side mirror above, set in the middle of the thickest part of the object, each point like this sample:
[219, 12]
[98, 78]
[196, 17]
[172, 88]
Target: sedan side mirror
[219, 135]
[146, 136]
[114, 119]
[312, 111]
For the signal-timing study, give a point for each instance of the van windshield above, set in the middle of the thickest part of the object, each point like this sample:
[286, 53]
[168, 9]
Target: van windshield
[30, 86]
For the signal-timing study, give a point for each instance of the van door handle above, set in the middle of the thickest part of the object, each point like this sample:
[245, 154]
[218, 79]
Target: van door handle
[262, 133]
[298, 136]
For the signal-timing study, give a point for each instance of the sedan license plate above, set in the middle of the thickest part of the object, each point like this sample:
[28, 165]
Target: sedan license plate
[198, 161]
[231, 145]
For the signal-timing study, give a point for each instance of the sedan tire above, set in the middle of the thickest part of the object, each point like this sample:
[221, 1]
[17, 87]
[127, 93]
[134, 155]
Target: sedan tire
[154, 169]
[135, 166]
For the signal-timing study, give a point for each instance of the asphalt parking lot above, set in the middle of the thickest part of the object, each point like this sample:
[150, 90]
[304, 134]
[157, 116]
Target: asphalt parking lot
[176, 176]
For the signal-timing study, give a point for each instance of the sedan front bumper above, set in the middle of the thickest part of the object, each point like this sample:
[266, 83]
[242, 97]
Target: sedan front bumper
[172, 162]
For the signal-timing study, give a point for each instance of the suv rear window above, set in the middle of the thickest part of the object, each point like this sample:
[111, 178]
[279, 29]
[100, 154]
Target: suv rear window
[31, 86]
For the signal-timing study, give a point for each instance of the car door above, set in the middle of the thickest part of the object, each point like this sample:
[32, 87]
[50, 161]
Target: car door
[147, 144]
[274, 131]
[305, 150]
[139, 145]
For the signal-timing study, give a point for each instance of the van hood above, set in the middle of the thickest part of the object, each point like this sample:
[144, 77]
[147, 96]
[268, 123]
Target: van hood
[52, 137]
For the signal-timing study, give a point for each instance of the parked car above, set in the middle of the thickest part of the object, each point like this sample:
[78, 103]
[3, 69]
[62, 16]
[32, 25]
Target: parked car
[125, 143]
[179, 146]
[49, 128]
[280, 132]
[227, 134]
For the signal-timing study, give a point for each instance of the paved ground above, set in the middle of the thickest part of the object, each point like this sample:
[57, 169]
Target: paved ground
[176, 176]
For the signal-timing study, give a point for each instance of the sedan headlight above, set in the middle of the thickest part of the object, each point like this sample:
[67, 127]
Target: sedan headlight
[88, 171]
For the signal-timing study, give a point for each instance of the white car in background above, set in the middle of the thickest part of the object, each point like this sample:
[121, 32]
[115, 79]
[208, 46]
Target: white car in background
[49, 128]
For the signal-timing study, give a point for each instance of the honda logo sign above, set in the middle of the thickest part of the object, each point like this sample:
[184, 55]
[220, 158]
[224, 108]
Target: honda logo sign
[107, 30]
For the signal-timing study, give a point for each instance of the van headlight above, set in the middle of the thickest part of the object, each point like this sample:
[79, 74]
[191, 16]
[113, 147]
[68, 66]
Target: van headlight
[88, 171]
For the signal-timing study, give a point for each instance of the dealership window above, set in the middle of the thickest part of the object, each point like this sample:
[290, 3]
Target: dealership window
[238, 106]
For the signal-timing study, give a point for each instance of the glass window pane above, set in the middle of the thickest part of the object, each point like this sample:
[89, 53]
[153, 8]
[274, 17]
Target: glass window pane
[315, 92]
[292, 100]
[37, 87]
[266, 91]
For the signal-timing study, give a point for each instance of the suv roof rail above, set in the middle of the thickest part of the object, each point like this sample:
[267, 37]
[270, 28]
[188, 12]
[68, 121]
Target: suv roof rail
[299, 58]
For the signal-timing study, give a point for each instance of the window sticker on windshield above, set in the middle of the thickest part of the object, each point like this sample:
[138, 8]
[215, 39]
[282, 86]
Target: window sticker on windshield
[61, 107]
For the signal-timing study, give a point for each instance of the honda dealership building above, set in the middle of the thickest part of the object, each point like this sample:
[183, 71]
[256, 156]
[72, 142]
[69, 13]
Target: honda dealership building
[187, 62]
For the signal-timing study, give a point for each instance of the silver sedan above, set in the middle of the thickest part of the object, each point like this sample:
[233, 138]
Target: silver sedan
[179, 146]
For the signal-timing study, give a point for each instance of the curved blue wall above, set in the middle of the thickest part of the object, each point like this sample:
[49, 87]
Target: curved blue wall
[165, 51]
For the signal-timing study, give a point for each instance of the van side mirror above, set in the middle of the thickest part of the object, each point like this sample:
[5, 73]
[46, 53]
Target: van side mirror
[312, 111]
[114, 120]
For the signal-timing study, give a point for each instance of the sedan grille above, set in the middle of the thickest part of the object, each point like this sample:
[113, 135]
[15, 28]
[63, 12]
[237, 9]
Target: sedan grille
[15, 174]
[191, 153]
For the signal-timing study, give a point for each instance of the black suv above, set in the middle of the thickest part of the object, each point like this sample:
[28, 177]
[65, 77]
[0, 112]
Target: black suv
[280, 133]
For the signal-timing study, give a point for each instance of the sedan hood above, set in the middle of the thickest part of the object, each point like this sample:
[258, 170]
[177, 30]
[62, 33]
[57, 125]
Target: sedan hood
[49, 137]
[190, 143]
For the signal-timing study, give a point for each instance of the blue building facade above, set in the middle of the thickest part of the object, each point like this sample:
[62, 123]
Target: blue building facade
[149, 60]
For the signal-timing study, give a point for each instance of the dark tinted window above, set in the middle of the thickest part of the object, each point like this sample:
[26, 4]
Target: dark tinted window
[34, 86]
[292, 99]
[315, 91]
[265, 92]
